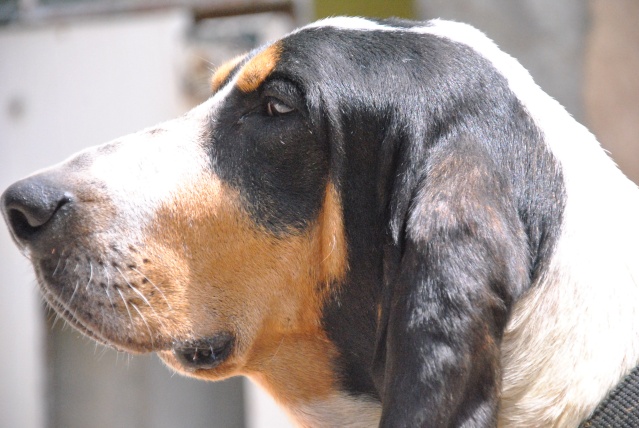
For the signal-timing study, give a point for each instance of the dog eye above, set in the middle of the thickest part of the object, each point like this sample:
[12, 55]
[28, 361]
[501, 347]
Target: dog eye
[275, 107]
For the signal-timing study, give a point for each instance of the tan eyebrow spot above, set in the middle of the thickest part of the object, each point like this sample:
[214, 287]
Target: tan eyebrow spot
[254, 72]
[223, 71]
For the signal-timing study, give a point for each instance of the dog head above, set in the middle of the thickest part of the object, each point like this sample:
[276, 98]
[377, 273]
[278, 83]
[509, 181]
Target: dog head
[352, 213]
[200, 237]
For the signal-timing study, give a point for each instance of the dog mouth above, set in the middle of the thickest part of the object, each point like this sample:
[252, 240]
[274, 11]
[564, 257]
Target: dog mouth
[204, 354]
[113, 296]
[192, 354]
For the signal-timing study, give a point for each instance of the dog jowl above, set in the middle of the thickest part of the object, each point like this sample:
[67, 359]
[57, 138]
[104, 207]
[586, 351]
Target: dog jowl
[381, 222]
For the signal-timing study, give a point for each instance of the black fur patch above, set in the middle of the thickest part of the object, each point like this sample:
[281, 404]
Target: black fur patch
[278, 163]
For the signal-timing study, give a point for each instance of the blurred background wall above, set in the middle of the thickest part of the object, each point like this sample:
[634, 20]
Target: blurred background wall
[75, 73]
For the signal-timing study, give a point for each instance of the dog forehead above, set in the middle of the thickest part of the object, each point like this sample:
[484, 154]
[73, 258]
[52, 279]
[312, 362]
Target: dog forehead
[340, 39]
[249, 71]
[352, 30]
[343, 46]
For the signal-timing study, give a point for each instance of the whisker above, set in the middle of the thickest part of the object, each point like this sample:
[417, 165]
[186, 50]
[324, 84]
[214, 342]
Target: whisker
[144, 321]
[108, 285]
[142, 296]
[154, 286]
[126, 306]
[90, 275]
[66, 262]
[108, 277]
[56, 318]
[102, 351]
[210, 64]
[111, 302]
[57, 266]
[132, 287]
[77, 284]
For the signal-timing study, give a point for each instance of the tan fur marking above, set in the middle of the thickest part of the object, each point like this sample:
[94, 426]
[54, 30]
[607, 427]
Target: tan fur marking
[223, 71]
[226, 273]
[294, 368]
[333, 240]
[258, 68]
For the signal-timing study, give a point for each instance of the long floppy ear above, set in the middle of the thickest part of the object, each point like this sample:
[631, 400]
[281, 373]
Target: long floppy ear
[460, 261]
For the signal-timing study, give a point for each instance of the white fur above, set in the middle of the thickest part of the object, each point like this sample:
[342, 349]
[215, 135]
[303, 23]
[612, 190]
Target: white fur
[350, 23]
[338, 411]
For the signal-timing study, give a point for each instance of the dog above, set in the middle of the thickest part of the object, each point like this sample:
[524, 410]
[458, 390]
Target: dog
[381, 222]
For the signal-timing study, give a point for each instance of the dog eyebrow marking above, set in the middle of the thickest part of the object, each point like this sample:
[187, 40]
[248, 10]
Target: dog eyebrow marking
[223, 72]
[258, 68]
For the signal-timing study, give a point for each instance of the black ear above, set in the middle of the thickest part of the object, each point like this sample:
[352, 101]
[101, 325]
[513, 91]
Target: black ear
[458, 261]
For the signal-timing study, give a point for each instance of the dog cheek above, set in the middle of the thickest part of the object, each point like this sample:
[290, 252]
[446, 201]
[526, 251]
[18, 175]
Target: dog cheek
[189, 240]
[215, 265]
[222, 272]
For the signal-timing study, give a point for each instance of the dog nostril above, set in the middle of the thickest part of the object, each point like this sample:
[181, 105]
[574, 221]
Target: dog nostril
[30, 204]
[20, 224]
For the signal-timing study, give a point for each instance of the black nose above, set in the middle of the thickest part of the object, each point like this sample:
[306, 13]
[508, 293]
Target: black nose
[30, 205]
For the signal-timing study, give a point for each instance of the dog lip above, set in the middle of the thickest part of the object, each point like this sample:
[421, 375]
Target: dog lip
[204, 354]
[73, 320]
[94, 333]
